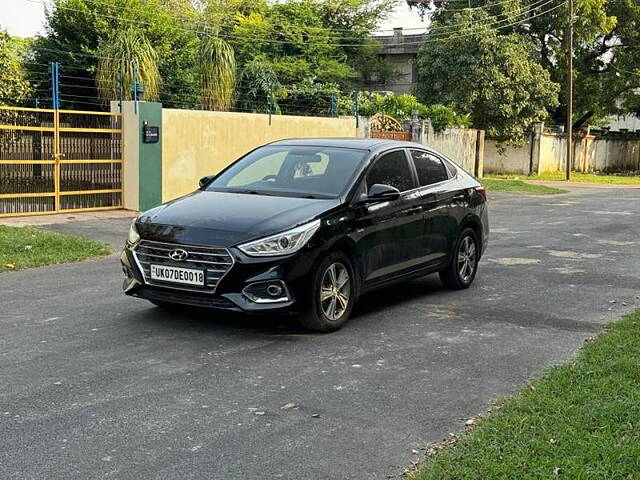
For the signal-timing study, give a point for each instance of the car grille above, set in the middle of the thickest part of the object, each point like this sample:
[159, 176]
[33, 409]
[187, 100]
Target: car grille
[216, 262]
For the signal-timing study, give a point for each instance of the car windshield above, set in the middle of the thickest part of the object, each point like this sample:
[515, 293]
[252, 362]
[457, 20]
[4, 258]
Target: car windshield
[315, 172]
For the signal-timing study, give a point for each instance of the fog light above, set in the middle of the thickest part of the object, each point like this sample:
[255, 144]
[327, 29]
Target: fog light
[274, 290]
[271, 291]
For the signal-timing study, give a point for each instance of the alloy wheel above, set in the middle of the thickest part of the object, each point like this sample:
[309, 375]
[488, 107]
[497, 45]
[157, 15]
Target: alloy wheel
[335, 291]
[467, 259]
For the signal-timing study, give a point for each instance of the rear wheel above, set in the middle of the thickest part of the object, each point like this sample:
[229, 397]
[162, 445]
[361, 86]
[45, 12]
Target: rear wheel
[332, 294]
[464, 262]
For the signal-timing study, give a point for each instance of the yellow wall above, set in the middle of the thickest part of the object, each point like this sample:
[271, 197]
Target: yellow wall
[199, 143]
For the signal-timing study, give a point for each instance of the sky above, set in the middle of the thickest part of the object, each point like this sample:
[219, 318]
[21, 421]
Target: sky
[24, 18]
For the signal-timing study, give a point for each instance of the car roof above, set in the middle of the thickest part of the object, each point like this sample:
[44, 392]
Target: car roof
[370, 144]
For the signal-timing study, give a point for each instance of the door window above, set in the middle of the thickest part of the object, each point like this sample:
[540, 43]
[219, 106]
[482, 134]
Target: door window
[430, 168]
[391, 169]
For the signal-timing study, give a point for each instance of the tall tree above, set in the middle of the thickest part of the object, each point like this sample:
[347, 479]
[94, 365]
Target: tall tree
[217, 73]
[494, 77]
[116, 69]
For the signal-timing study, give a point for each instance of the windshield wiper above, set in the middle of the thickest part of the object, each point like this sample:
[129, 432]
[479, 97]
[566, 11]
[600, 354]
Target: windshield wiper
[249, 192]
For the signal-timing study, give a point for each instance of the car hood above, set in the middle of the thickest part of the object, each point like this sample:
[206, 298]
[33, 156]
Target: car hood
[225, 219]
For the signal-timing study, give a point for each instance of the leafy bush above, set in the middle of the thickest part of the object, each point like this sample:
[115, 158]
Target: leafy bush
[403, 107]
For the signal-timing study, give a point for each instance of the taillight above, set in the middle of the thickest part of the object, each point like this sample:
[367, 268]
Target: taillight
[481, 191]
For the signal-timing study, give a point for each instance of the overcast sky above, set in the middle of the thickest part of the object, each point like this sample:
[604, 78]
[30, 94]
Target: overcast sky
[24, 18]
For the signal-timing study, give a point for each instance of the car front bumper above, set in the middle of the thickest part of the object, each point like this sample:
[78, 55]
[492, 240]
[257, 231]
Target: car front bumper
[234, 290]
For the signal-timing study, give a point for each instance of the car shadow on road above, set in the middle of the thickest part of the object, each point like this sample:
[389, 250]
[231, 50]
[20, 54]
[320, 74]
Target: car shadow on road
[205, 321]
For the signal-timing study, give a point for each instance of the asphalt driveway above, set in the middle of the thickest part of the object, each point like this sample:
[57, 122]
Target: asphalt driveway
[97, 385]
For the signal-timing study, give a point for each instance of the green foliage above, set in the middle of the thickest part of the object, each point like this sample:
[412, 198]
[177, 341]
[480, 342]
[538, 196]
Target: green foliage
[260, 87]
[14, 87]
[494, 77]
[116, 70]
[76, 29]
[301, 41]
[217, 73]
[402, 107]
[309, 98]
[606, 42]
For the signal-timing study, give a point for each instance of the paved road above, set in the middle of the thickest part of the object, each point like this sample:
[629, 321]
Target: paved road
[97, 385]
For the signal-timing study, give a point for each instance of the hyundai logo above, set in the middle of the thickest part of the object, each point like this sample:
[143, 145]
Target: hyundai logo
[179, 255]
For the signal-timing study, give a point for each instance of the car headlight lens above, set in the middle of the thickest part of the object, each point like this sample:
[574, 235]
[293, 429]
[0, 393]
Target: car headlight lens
[134, 236]
[281, 243]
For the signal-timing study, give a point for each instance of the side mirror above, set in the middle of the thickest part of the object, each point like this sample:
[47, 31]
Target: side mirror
[204, 181]
[382, 193]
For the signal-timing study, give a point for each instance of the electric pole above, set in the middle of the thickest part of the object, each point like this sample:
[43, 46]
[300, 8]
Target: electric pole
[570, 92]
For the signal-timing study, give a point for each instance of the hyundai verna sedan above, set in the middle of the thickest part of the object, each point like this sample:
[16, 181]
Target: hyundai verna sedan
[307, 226]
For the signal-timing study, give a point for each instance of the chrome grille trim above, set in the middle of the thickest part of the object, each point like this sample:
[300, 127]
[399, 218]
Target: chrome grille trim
[218, 263]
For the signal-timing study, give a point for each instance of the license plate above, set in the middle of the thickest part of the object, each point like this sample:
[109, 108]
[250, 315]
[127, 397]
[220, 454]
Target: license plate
[186, 276]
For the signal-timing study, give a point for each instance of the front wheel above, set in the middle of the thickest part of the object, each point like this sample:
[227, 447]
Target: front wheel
[464, 262]
[332, 294]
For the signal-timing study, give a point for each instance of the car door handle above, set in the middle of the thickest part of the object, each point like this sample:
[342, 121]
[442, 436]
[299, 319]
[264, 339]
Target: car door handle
[414, 210]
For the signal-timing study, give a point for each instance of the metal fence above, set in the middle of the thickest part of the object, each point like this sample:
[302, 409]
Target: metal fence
[54, 161]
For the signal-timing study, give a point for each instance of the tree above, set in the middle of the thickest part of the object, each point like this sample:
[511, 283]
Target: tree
[494, 77]
[606, 37]
[116, 70]
[322, 40]
[14, 88]
[217, 73]
[76, 29]
[261, 88]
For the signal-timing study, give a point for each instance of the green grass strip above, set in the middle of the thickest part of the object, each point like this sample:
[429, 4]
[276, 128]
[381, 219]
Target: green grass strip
[25, 247]
[607, 179]
[518, 186]
[578, 421]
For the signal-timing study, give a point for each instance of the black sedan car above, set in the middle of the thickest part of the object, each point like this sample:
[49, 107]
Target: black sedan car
[306, 226]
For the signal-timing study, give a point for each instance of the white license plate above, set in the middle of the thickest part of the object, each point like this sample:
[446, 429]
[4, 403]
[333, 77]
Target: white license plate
[186, 276]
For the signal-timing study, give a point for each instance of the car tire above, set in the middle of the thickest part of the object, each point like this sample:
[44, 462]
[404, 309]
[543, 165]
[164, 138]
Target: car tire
[463, 265]
[332, 294]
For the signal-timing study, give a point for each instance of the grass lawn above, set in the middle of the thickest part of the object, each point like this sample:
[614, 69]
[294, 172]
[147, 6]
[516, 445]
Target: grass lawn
[576, 177]
[24, 247]
[518, 186]
[578, 421]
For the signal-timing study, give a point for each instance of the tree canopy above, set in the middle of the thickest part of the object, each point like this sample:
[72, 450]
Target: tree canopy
[494, 77]
[301, 41]
[607, 48]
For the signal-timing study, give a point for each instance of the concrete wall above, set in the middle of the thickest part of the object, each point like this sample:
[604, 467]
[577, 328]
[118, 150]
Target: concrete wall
[199, 143]
[458, 144]
[507, 159]
[547, 153]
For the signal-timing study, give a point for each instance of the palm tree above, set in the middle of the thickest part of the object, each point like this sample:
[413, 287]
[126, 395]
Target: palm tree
[217, 74]
[116, 66]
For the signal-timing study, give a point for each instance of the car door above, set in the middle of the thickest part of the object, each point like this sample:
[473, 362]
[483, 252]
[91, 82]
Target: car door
[392, 230]
[438, 194]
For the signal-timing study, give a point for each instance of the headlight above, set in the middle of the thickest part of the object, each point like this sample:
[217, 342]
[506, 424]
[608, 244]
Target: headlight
[281, 243]
[133, 233]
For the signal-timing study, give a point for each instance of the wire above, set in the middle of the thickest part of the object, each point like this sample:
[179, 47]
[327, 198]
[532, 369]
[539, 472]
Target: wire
[232, 38]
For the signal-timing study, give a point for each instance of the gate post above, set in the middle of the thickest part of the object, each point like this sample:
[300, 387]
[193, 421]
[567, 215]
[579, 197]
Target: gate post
[142, 154]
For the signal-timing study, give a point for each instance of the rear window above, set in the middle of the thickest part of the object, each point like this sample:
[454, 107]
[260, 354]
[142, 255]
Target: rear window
[430, 168]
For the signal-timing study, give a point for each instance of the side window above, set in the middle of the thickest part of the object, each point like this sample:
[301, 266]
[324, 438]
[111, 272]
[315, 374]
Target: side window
[391, 169]
[430, 168]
